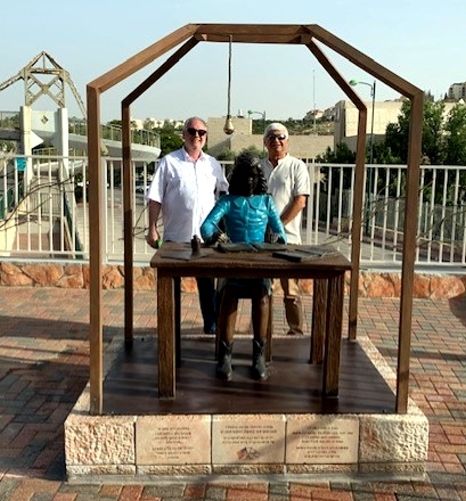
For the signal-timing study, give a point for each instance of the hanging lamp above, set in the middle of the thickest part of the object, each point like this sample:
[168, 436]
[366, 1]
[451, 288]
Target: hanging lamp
[229, 128]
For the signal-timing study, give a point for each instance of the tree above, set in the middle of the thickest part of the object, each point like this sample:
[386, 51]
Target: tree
[342, 154]
[170, 139]
[433, 146]
[455, 129]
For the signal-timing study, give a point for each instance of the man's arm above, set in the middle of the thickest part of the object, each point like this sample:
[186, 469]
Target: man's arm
[153, 236]
[295, 207]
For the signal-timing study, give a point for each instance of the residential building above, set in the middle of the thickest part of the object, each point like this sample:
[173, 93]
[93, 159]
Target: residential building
[346, 120]
[457, 91]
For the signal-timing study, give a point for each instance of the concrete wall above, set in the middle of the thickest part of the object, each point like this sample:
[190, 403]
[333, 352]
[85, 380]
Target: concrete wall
[385, 112]
[346, 119]
[302, 146]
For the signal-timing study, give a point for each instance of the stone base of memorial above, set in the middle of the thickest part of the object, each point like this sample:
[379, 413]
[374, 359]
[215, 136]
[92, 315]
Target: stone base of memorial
[376, 445]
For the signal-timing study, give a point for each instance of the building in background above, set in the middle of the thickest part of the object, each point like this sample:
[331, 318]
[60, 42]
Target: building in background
[346, 120]
[457, 91]
[301, 146]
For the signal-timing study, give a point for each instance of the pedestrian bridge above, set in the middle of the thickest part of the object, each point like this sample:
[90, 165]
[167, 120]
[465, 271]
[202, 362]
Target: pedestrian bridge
[145, 144]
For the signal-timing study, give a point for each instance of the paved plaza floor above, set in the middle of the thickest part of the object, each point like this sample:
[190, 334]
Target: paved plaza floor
[44, 358]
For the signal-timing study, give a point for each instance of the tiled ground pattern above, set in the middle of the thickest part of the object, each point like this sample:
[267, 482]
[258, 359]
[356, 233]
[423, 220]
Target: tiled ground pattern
[44, 366]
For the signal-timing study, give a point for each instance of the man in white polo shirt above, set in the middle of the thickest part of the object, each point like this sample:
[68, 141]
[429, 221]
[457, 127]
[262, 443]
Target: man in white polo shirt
[184, 188]
[289, 184]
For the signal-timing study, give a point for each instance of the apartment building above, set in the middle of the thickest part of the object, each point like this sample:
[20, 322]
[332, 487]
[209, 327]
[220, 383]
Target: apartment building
[457, 91]
[346, 120]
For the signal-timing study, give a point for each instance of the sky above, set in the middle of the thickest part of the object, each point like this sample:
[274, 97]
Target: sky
[422, 41]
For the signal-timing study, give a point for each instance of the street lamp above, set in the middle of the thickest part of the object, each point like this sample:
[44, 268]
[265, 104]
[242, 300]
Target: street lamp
[371, 144]
[262, 114]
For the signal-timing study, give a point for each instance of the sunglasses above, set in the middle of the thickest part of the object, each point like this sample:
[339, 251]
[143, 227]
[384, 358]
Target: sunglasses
[192, 132]
[280, 137]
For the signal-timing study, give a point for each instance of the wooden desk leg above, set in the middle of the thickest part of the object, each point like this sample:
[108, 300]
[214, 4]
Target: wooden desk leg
[331, 367]
[268, 346]
[177, 283]
[319, 311]
[166, 329]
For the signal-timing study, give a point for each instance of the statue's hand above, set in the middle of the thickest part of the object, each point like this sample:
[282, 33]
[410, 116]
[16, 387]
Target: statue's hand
[222, 238]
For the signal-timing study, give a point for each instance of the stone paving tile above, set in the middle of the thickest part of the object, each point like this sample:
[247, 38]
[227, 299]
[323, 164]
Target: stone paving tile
[44, 366]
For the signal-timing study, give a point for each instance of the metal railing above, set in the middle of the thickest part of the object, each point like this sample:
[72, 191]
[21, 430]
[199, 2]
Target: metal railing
[44, 211]
[113, 133]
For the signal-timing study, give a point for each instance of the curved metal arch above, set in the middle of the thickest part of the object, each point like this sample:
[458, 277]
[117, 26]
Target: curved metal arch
[252, 33]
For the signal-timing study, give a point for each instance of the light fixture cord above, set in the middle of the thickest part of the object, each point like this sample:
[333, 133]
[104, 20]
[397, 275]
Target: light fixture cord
[229, 75]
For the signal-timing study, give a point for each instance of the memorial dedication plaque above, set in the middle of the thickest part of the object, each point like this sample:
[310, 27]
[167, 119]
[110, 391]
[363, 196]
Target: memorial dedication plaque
[173, 440]
[322, 440]
[241, 439]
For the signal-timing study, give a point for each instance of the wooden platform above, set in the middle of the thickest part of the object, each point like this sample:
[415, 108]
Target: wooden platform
[294, 385]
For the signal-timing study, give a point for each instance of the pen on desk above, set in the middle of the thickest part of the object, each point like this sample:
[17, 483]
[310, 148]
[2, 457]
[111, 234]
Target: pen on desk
[221, 233]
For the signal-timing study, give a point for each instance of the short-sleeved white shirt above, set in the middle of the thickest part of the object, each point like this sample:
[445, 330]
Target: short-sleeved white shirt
[186, 190]
[287, 180]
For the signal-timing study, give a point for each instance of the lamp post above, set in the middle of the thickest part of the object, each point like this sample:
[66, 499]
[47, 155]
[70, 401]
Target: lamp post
[371, 144]
[262, 114]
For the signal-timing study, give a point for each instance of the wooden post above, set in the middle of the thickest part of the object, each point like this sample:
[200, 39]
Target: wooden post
[409, 253]
[95, 261]
[127, 223]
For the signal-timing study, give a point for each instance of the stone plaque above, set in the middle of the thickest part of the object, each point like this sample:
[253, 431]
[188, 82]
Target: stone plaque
[322, 440]
[179, 440]
[246, 439]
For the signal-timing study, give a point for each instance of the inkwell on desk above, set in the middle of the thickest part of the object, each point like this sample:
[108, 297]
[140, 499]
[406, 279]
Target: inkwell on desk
[195, 246]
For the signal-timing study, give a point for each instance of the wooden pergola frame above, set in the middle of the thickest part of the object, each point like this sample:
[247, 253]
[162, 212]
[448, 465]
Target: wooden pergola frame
[191, 35]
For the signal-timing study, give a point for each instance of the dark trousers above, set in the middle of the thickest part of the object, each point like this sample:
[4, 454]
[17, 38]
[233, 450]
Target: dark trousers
[208, 302]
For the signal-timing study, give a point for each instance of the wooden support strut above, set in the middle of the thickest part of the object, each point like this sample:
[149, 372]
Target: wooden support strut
[250, 33]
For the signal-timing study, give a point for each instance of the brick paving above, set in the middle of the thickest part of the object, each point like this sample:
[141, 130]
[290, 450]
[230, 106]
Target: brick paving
[44, 355]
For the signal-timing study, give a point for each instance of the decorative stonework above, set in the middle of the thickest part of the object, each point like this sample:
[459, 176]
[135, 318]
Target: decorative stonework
[91, 440]
[72, 275]
[389, 439]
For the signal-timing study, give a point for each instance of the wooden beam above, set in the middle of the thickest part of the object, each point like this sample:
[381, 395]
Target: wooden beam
[358, 183]
[127, 223]
[159, 72]
[166, 335]
[270, 30]
[365, 62]
[409, 252]
[251, 38]
[358, 189]
[141, 59]
[337, 77]
[128, 202]
[95, 259]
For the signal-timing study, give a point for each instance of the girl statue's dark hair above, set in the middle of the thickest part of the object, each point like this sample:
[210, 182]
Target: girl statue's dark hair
[247, 177]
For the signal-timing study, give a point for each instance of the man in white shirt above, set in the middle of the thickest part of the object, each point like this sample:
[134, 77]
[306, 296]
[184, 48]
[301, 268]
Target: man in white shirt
[184, 188]
[289, 184]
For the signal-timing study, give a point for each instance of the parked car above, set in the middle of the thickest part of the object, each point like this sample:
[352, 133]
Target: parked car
[142, 188]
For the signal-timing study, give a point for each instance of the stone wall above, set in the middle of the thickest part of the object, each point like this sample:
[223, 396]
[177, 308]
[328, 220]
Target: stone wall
[371, 284]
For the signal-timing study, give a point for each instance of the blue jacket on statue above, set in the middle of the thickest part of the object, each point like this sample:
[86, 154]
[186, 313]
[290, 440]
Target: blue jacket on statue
[246, 219]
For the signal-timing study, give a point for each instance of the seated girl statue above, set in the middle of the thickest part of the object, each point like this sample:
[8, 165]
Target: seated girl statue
[246, 212]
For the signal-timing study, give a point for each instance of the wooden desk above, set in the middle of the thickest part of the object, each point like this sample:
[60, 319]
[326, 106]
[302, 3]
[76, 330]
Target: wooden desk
[172, 262]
